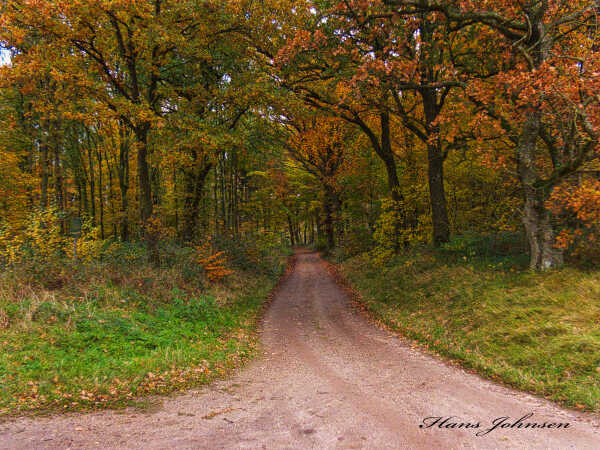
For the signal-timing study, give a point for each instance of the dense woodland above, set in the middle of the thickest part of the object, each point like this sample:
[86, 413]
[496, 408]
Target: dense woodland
[349, 125]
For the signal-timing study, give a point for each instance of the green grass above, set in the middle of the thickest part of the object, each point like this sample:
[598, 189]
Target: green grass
[537, 332]
[107, 344]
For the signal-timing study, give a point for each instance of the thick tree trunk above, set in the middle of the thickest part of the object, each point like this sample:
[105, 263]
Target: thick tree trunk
[536, 218]
[435, 171]
[437, 195]
[540, 235]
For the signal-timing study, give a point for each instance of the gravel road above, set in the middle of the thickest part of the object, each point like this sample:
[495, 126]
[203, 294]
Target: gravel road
[327, 379]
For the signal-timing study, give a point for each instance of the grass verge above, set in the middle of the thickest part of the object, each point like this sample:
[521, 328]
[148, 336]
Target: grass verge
[108, 340]
[536, 332]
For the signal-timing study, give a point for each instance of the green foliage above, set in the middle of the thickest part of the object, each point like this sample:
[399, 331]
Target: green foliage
[104, 335]
[492, 248]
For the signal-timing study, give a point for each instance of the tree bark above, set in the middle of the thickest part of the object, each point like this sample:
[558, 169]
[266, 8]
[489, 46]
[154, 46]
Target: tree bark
[387, 155]
[194, 187]
[59, 188]
[329, 221]
[44, 163]
[111, 194]
[437, 195]
[100, 192]
[435, 170]
[146, 206]
[145, 182]
[123, 173]
[291, 230]
[92, 184]
[536, 218]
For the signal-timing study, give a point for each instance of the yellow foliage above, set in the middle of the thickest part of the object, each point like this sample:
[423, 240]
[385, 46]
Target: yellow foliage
[41, 239]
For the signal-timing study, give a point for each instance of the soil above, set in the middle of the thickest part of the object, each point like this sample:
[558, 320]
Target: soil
[327, 379]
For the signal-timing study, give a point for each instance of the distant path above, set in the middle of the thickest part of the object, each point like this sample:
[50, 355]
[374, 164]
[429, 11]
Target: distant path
[328, 379]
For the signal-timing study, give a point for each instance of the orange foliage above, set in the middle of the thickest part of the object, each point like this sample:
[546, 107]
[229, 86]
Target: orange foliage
[214, 264]
[581, 202]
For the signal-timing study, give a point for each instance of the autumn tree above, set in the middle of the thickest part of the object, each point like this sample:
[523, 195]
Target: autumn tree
[319, 145]
[544, 95]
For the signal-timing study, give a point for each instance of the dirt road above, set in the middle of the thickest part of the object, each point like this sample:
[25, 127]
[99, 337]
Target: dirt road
[328, 379]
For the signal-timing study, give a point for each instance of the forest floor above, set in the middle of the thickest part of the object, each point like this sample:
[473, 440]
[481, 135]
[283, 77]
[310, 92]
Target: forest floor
[327, 379]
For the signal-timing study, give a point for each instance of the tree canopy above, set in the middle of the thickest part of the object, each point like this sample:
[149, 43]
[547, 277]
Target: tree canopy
[357, 125]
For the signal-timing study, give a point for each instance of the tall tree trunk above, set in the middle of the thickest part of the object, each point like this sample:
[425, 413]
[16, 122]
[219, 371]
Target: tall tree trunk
[291, 230]
[223, 197]
[44, 164]
[387, 155]
[92, 180]
[78, 183]
[175, 200]
[146, 202]
[100, 192]
[329, 222]
[59, 188]
[305, 232]
[536, 218]
[216, 198]
[124, 184]
[111, 194]
[437, 196]
[435, 170]
[146, 205]
[194, 187]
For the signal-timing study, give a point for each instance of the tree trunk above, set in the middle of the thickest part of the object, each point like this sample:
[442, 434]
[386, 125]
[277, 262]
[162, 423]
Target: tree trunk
[146, 206]
[540, 235]
[59, 189]
[111, 194]
[329, 221]
[536, 218]
[100, 192]
[124, 185]
[291, 230]
[146, 201]
[194, 186]
[435, 170]
[437, 195]
[44, 163]
[387, 155]
[92, 185]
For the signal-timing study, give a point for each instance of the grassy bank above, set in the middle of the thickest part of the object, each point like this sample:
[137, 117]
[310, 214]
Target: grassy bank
[537, 332]
[98, 335]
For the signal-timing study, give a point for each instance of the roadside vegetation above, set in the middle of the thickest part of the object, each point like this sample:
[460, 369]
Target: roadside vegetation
[474, 304]
[88, 334]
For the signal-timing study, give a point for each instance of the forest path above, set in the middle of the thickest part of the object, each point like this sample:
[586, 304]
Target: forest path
[328, 379]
